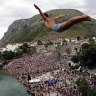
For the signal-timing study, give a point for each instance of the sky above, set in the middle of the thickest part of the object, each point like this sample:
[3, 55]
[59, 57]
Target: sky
[11, 10]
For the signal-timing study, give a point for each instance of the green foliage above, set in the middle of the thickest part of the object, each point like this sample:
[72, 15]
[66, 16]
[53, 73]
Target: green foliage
[0, 54]
[75, 59]
[25, 48]
[84, 87]
[91, 39]
[39, 42]
[87, 55]
[18, 53]
[32, 50]
[93, 91]
[8, 55]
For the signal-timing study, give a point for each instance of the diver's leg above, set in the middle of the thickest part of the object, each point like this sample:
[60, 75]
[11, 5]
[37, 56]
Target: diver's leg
[74, 20]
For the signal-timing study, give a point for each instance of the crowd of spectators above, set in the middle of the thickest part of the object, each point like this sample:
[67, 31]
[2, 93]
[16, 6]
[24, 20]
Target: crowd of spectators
[64, 78]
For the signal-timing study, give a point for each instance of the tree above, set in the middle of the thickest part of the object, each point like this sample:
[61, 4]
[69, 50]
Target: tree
[18, 53]
[32, 50]
[25, 48]
[91, 39]
[84, 87]
[8, 55]
[87, 55]
[39, 42]
[0, 55]
[94, 91]
[75, 59]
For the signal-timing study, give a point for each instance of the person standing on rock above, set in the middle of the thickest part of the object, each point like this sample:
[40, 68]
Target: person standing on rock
[61, 27]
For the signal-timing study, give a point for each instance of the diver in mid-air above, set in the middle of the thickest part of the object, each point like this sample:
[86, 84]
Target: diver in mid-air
[60, 27]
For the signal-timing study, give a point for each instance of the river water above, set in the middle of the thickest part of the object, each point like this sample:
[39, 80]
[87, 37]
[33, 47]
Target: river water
[11, 87]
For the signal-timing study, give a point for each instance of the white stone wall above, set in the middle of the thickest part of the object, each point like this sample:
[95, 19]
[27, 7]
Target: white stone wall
[11, 47]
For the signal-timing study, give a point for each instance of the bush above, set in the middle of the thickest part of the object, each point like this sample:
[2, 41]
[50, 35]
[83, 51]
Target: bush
[84, 87]
[18, 54]
[86, 55]
[32, 50]
[39, 42]
[8, 55]
[75, 59]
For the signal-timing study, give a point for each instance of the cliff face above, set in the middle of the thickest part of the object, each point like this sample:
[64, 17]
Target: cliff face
[24, 30]
[17, 27]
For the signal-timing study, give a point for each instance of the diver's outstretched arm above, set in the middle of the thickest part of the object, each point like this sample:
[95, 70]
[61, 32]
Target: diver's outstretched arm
[60, 16]
[41, 13]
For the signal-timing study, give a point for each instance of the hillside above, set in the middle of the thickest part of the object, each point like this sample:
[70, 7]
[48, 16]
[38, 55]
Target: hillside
[25, 30]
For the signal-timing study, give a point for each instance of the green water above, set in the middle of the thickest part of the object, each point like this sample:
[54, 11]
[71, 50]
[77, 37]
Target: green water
[10, 86]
